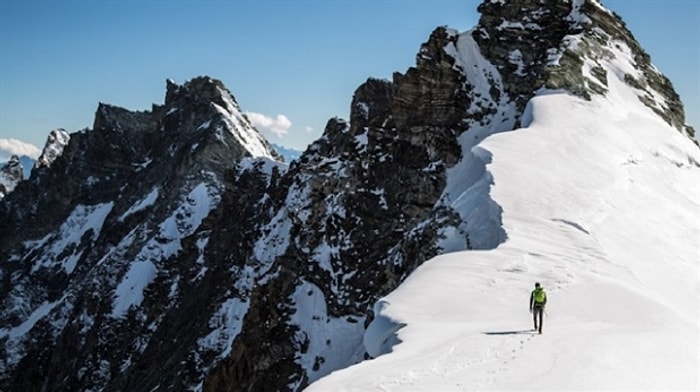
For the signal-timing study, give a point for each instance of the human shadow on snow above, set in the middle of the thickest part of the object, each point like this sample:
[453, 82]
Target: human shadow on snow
[520, 332]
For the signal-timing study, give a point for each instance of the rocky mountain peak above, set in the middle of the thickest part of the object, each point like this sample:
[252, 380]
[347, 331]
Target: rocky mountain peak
[565, 44]
[13, 167]
[198, 89]
[371, 102]
[204, 104]
[10, 175]
[55, 143]
[517, 36]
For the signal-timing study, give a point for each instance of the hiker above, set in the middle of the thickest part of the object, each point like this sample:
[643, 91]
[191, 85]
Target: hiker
[538, 299]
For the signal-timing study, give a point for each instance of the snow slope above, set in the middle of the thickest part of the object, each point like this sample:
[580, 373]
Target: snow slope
[601, 204]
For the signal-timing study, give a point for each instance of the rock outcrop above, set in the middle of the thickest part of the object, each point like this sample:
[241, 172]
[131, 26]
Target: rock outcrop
[10, 175]
[55, 143]
[557, 44]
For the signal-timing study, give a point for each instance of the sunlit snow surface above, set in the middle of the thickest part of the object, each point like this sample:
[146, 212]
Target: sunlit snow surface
[601, 204]
[146, 202]
[240, 127]
[63, 246]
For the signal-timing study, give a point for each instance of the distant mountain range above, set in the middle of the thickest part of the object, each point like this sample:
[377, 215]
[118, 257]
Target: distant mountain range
[289, 154]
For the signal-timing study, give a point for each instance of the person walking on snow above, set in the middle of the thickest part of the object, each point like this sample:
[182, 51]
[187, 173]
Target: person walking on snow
[538, 299]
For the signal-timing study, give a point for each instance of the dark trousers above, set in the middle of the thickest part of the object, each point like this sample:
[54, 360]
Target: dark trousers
[538, 311]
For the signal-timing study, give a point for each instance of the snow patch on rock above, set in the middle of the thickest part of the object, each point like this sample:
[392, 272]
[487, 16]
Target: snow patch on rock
[58, 139]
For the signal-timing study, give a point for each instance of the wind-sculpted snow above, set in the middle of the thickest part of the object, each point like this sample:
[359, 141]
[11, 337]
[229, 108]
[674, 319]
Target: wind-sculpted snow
[576, 187]
[382, 333]
[468, 182]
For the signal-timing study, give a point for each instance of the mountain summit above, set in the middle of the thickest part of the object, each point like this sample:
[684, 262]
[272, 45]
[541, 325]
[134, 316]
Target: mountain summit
[173, 250]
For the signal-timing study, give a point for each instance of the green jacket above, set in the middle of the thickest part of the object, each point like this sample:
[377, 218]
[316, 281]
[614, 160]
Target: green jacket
[538, 298]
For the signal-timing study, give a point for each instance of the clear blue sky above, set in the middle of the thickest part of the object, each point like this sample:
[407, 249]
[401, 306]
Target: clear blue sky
[300, 59]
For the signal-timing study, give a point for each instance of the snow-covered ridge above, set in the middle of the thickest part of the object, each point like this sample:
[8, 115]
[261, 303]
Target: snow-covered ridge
[575, 185]
[468, 182]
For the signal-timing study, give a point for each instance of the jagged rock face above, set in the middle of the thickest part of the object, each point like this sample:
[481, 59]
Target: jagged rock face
[265, 240]
[361, 206]
[119, 210]
[10, 175]
[560, 44]
[430, 100]
[512, 37]
[648, 80]
[55, 143]
[169, 249]
[13, 172]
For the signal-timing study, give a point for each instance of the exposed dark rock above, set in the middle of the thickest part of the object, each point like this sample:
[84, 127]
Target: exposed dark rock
[170, 250]
[146, 176]
[10, 175]
[55, 143]
[518, 36]
[530, 42]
